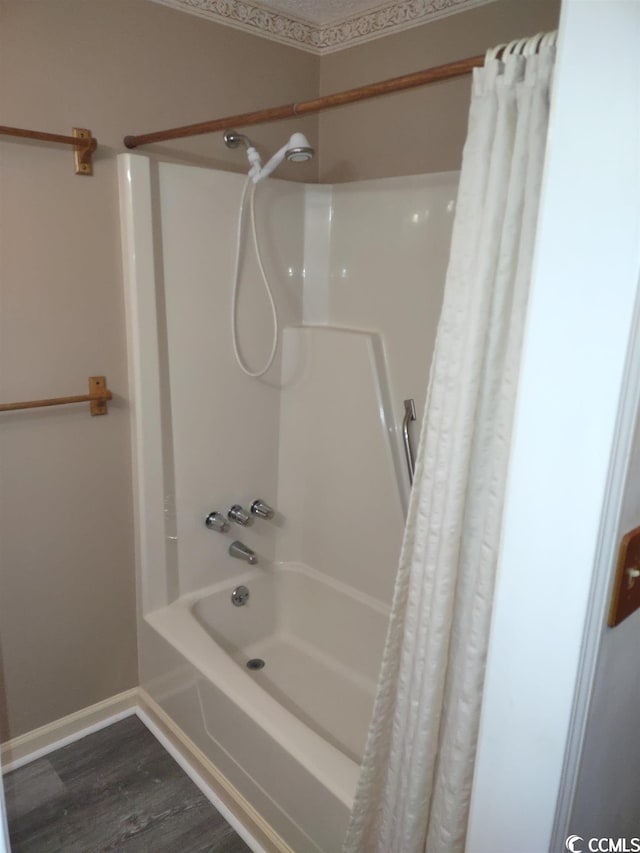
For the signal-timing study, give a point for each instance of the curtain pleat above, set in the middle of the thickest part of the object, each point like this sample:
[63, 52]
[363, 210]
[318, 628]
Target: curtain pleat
[415, 785]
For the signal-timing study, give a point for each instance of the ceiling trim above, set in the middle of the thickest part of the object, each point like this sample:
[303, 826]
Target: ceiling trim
[388, 18]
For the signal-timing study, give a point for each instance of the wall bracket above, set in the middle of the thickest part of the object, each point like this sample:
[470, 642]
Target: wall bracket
[82, 142]
[83, 153]
[97, 398]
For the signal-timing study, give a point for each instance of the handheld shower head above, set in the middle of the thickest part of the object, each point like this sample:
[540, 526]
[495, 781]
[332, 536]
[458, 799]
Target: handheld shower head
[297, 150]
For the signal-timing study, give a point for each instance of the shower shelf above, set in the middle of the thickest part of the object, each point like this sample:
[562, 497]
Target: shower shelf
[97, 397]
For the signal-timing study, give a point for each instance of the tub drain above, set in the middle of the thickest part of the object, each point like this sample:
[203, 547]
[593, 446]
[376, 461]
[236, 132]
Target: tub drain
[255, 663]
[240, 596]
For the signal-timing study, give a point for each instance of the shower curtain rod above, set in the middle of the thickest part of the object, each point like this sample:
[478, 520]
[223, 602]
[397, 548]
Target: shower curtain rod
[316, 105]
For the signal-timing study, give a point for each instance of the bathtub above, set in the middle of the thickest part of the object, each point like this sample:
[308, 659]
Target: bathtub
[290, 735]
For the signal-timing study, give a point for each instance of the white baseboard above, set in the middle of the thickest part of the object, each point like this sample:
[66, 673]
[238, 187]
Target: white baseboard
[32, 745]
[225, 798]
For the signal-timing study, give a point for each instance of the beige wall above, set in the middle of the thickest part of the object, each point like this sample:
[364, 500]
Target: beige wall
[422, 130]
[67, 600]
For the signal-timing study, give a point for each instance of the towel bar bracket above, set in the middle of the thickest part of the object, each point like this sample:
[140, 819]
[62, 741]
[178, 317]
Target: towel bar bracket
[82, 142]
[83, 153]
[97, 398]
[97, 392]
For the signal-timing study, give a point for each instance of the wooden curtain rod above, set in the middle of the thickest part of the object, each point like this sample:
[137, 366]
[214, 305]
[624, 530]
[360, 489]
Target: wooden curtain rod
[338, 99]
[82, 141]
[97, 397]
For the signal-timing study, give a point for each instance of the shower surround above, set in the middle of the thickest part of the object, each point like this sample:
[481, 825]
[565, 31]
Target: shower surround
[357, 272]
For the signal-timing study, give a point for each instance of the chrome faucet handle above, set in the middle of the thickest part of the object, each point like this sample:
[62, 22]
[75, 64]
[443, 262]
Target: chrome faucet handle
[239, 515]
[217, 521]
[261, 509]
[241, 552]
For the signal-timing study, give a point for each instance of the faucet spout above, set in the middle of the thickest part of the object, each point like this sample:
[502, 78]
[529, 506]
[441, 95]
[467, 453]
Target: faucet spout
[241, 552]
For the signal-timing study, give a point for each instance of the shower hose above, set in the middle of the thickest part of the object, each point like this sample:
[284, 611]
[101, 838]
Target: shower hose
[251, 188]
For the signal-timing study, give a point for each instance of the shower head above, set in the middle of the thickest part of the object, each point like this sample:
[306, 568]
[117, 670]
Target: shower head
[297, 150]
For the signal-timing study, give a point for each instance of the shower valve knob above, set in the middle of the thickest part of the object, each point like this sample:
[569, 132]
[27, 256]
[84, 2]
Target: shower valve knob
[261, 509]
[217, 521]
[239, 515]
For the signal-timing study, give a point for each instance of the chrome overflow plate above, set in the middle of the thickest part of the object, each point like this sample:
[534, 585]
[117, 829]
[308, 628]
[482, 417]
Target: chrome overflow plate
[240, 596]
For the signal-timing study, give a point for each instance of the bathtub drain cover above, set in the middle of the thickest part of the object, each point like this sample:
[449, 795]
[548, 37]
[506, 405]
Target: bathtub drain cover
[240, 596]
[255, 663]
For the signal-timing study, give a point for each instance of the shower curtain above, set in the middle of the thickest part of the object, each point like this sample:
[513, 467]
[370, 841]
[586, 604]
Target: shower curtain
[415, 785]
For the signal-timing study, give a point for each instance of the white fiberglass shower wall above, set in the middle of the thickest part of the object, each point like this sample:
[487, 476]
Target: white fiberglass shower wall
[357, 272]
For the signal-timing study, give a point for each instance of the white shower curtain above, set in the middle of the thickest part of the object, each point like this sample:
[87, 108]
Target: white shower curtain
[414, 789]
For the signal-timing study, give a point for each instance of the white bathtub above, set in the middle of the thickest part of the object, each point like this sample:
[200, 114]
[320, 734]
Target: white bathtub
[296, 728]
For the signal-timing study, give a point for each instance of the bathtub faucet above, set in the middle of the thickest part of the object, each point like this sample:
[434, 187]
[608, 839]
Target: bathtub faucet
[241, 552]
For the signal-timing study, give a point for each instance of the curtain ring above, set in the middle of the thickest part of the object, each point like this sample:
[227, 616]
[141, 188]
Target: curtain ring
[522, 47]
[533, 45]
[519, 48]
[492, 53]
[508, 51]
[549, 40]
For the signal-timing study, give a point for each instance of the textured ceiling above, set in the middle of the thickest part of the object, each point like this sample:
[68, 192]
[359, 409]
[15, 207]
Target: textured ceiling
[322, 26]
[322, 12]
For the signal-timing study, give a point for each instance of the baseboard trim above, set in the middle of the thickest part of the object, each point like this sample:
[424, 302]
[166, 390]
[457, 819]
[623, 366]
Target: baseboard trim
[225, 797]
[35, 744]
[236, 810]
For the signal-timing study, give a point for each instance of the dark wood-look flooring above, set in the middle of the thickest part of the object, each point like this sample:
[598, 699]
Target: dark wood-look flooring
[115, 790]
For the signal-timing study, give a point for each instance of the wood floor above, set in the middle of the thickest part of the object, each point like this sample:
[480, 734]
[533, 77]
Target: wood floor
[115, 790]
